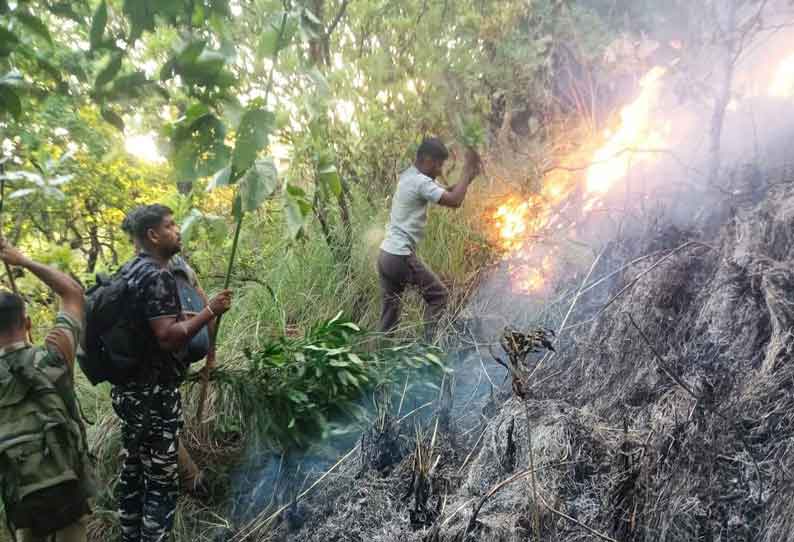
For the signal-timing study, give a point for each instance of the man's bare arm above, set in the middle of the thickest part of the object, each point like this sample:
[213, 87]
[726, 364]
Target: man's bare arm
[172, 335]
[455, 195]
[64, 286]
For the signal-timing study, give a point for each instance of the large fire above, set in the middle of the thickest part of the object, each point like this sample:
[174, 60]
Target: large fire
[519, 222]
[637, 133]
[637, 138]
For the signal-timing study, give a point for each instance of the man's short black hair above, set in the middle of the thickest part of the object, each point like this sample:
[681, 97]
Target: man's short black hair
[433, 148]
[143, 218]
[12, 312]
[128, 224]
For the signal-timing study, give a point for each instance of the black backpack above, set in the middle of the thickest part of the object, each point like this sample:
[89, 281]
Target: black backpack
[113, 345]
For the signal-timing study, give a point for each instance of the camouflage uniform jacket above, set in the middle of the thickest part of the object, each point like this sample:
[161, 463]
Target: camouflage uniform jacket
[56, 361]
[157, 296]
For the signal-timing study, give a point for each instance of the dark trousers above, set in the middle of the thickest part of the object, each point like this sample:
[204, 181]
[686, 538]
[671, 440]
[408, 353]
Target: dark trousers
[398, 272]
[148, 486]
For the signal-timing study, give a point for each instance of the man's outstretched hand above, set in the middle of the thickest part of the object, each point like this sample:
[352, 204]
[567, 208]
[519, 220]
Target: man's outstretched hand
[12, 255]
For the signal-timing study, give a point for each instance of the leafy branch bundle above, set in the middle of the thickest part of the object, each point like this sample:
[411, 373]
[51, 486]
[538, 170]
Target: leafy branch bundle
[289, 392]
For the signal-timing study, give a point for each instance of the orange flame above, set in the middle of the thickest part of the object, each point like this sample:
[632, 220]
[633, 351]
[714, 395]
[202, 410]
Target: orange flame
[636, 132]
[517, 221]
[511, 221]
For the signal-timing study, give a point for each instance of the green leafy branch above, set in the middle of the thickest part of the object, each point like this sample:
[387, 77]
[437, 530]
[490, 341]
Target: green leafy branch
[308, 383]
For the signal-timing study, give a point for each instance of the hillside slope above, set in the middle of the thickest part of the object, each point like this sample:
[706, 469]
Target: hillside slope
[666, 414]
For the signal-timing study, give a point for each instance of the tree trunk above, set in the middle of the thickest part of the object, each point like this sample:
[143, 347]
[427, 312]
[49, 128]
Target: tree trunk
[723, 97]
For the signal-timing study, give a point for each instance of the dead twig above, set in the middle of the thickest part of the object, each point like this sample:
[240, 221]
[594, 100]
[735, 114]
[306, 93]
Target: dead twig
[498, 487]
[563, 515]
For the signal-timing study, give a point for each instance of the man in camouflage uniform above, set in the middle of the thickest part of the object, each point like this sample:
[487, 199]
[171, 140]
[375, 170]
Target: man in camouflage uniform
[191, 477]
[149, 405]
[55, 357]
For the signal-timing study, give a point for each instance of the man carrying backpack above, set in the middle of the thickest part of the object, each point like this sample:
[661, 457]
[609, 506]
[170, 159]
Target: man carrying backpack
[45, 476]
[192, 299]
[149, 403]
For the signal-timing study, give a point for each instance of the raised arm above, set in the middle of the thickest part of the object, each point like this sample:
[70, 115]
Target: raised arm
[64, 286]
[455, 195]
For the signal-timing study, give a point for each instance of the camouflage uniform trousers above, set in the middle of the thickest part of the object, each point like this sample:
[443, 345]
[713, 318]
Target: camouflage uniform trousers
[149, 486]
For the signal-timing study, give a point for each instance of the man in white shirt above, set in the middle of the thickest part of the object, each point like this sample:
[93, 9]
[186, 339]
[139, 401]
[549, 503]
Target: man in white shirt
[398, 265]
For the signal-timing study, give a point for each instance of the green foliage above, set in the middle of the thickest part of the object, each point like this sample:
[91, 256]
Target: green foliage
[298, 208]
[98, 23]
[214, 226]
[252, 136]
[258, 184]
[309, 382]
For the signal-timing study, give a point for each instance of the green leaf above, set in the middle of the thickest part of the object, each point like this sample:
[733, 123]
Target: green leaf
[189, 224]
[206, 71]
[221, 178]
[232, 110]
[65, 9]
[355, 359]
[48, 67]
[60, 179]
[268, 43]
[434, 358]
[217, 229]
[8, 41]
[27, 176]
[112, 118]
[312, 17]
[141, 16]
[252, 137]
[10, 102]
[34, 24]
[98, 23]
[168, 70]
[12, 79]
[297, 396]
[195, 112]
[199, 148]
[258, 184]
[134, 79]
[335, 318]
[107, 73]
[329, 176]
[191, 52]
[297, 210]
[200, 66]
[41, 60]
[21, 193]
[131, 86]
[215, 226]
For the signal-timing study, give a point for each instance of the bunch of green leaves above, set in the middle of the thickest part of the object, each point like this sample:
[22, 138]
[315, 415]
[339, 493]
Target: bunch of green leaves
[44, 181]
[26, 48]
[291, 391]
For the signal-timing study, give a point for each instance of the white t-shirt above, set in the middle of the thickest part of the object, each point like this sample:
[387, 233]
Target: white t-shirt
[409, 211]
